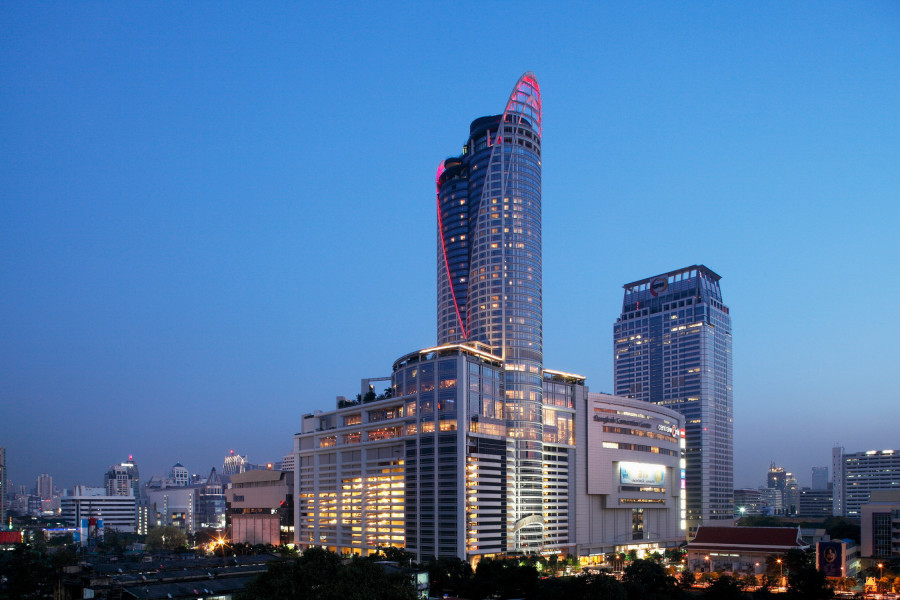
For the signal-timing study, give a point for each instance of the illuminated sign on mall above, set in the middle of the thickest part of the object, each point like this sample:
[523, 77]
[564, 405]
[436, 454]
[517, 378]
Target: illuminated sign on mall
[631, 473]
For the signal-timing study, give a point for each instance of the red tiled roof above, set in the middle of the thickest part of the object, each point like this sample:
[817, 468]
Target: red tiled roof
[10, 537]
[758, 537]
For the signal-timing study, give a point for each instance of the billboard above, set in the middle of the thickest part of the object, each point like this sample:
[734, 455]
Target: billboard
[632, 473]
[830, 558]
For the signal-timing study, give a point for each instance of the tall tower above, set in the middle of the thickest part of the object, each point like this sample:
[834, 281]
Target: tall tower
[672, 347]
[489, 277]
[3, 490]
[43, 487]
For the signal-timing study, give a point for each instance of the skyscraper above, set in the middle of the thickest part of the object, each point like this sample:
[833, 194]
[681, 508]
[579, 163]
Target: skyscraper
[123, 479]
[672, 347]
[819, 478]
[489, 272]
[471, 452]
[3, 490]
[43, 487]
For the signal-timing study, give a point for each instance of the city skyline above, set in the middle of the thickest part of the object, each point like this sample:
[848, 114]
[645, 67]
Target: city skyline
[190, 230]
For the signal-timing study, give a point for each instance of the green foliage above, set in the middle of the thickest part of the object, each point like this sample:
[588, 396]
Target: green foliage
[674, 555]
[808, 583]
[29, 574]
[582, 587]
[840, 528]
[724, 588]
[687, 578]
[646, 580]
[449, 576]
[503, 579]
[762, 521]
[166, 538]
[322, 575]
[397, 555]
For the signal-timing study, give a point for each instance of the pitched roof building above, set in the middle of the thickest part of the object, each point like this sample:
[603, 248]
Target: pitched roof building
[740, 549]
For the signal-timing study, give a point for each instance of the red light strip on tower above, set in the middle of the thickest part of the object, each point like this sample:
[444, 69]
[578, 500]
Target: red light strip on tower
[437, 181]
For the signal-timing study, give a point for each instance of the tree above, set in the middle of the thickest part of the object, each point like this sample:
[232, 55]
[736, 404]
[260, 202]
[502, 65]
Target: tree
[762, 521]
[687, 578]
[166, 537]
[808, 583]
[503, 579]
[646, 579]
[25, 574]
[675, 555]
[724, 588]
[840, 528]
[449, 576]
[595, 586]
[748, 581]
[397, 555]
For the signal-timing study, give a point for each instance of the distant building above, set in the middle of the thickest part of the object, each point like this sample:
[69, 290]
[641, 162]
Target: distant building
[179, 475]
[740, 549]
[211, 503]
[748, 502]
[820, 478]
[773, 499]
[123, 479]
[192, 506]
[4, 492]
[815, 504]
[858, 474]
[880, 525]
[260, 508]
[287, 464]
[791, 495]
[234, 463]
[116, 512]
[776, 477]
[174, 506]
[43, 487]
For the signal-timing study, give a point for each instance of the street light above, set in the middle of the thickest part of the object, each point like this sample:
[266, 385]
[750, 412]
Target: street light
[708, 569]
[880, 576]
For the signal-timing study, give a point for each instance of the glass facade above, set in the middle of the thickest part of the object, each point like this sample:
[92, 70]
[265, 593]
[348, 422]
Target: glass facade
[672, 346]
[489, 279]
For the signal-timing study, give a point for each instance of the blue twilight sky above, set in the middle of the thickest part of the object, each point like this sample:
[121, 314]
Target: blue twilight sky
[215, 217]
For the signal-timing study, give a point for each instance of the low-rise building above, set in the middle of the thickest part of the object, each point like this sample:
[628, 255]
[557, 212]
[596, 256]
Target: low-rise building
[880, 525]
[740, 549]
[259, 507]
[838, 558]
[116, 512]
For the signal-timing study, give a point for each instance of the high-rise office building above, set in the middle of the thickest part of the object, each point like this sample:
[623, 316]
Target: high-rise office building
[3, 490]
[776, 477]
[672, 347]
[123, 479]
[820, 478]
[489, 272]
[858, 474]
[43, 487]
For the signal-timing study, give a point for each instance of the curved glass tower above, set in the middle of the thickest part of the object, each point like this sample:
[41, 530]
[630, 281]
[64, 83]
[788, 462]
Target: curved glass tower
[489, 278]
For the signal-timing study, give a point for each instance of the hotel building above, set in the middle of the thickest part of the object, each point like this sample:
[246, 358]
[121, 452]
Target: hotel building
[472, 451]
[429, 467]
